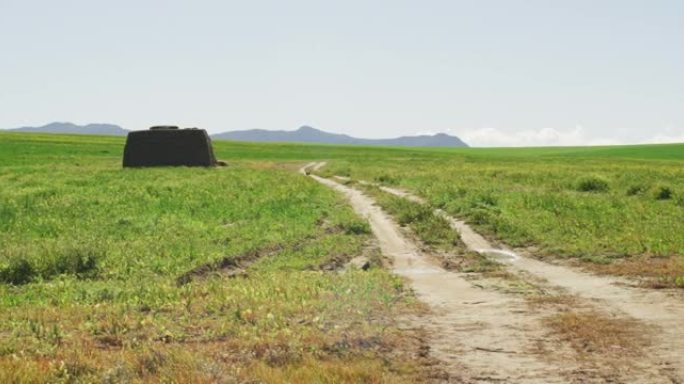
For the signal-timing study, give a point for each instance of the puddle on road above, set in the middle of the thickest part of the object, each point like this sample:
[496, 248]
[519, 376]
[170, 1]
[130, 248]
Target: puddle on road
[499, 254]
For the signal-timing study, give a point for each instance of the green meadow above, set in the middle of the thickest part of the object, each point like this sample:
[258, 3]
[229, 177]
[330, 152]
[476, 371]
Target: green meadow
[234, 273]
[617, 210]
[94, 260]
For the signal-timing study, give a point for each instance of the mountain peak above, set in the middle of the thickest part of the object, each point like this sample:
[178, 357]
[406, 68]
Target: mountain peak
[58, 124]
[307, 134]
[306, 128]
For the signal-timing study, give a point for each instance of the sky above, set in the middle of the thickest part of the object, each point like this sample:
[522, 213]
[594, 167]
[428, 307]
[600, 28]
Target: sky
[493, 72]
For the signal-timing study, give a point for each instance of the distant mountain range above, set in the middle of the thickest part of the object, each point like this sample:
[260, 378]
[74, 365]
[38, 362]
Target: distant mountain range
[304, 134]
[90, 129]
[307, 134]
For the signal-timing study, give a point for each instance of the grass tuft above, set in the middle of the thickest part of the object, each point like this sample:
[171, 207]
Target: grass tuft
[91, 254]
[592, 184]
[17, 272]
[637, 190]
[664, 192]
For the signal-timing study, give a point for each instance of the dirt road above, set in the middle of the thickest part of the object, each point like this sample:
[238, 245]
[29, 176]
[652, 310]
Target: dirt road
[485, 335]
[661, 309]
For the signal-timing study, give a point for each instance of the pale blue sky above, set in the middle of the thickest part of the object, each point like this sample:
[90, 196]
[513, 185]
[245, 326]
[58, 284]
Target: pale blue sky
[494, 72]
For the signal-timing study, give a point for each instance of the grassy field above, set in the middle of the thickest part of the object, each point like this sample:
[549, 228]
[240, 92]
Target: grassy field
[206, 275]
[119, 275]
[620, 209]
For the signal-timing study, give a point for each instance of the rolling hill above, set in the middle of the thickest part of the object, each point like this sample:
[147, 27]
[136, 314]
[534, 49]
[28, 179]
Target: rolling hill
[308, 134]
[90, 129]
[305, 134]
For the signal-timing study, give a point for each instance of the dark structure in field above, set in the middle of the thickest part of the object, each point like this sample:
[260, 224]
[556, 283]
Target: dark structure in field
[168, 145]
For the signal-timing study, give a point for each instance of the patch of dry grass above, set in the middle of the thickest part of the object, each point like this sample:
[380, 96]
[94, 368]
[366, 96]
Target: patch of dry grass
[467, 261]
[333, 370]
[271, 326]
[655, 272]
[595, 333]
[561, 301]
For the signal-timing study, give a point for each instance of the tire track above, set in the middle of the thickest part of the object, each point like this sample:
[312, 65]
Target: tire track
[662, 309]
[482, 336]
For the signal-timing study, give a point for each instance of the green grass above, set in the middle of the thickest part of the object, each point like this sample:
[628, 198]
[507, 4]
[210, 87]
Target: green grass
[566, 206]
[602, 205]
[90, 254]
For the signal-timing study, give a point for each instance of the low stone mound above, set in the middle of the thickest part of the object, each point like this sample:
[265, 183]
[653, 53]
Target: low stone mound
[169, 146]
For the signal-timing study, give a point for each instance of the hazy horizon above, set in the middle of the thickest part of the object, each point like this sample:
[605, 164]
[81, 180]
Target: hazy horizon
[493, 73]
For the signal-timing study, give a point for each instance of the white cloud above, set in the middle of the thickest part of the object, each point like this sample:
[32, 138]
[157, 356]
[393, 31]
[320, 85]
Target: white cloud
[493, 137]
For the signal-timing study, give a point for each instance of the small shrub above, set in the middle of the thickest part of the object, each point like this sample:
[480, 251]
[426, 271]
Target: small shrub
[18, 272]
[592, 184]
[386, 179]
[635, 190]
[664, 193]
[78, 261]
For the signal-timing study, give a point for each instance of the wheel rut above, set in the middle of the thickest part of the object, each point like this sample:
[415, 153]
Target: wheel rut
[659, 311]
[481, 335]
[662, 309]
